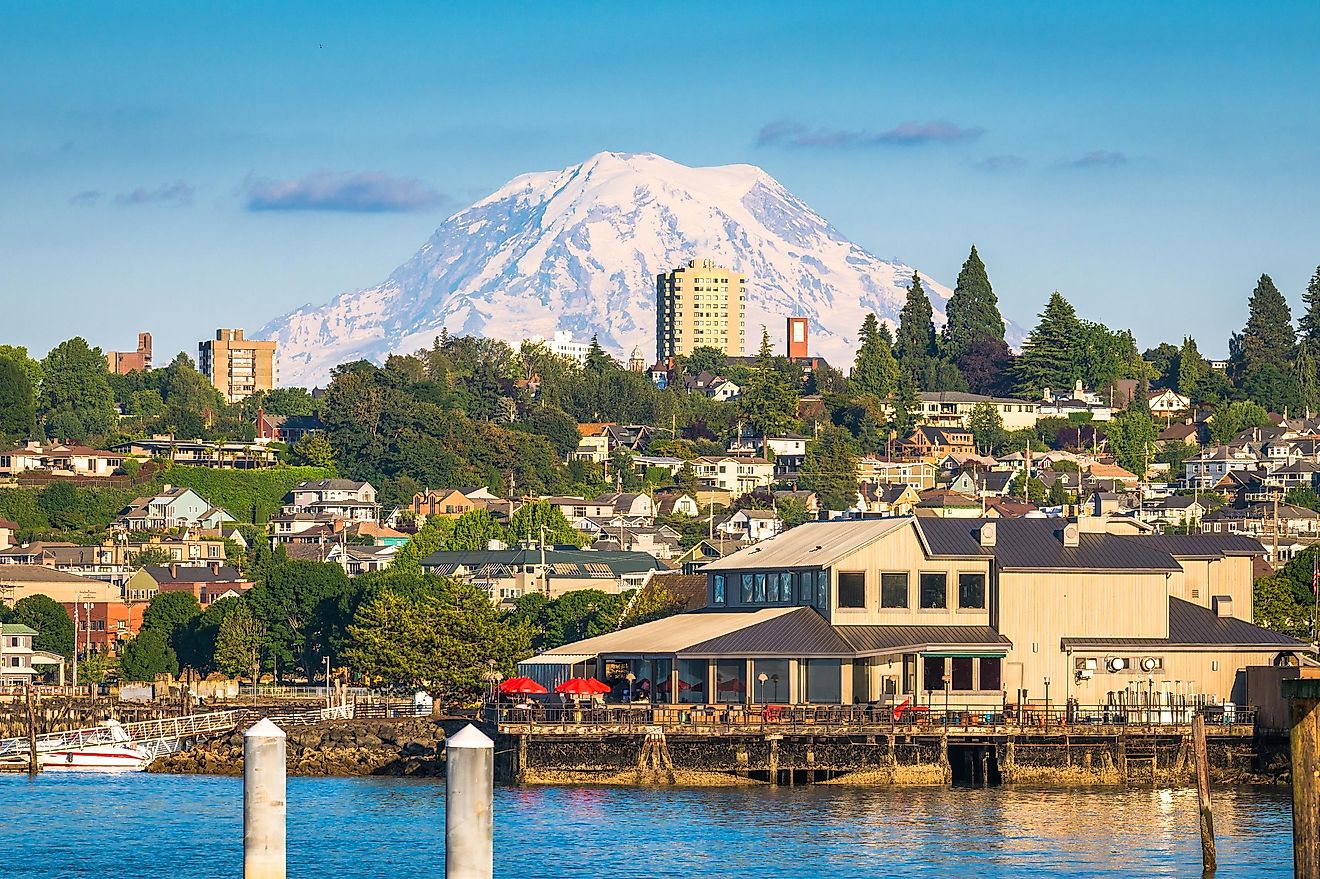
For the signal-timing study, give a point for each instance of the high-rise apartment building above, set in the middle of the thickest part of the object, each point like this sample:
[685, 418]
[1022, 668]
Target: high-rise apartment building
[699, 305]
[124, 362]
[237, 367]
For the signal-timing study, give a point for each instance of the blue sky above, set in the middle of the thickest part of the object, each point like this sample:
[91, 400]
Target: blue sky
[177, 167]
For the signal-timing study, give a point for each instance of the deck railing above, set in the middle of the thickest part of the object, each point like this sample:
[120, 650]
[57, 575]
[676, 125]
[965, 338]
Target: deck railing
[842, 719]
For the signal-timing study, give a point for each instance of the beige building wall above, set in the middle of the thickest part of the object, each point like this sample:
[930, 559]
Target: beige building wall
[701, 304]
[238, 367]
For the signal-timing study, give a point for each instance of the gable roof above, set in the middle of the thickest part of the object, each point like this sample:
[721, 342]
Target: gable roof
[1037, 545]
[194, 574]
[814, 544]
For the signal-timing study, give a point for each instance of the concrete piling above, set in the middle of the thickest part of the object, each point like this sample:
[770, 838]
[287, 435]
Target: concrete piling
[264, 808]
[469, 805]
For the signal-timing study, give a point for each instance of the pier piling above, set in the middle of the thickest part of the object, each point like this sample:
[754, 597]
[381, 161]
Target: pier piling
[34, 762]
[264, 807]
[1203, 795]
[1303, 695]
[469, 805]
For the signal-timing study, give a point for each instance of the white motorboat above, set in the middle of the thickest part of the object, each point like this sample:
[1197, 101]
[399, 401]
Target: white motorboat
[115, 753]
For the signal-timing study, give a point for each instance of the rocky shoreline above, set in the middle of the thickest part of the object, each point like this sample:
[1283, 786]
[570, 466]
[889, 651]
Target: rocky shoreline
[399, 747]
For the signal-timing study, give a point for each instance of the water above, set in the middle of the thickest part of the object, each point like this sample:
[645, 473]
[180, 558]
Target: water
[190, 827]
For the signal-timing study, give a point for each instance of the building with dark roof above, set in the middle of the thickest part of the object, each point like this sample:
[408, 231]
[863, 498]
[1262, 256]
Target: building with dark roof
[506, 574]
[989, 610]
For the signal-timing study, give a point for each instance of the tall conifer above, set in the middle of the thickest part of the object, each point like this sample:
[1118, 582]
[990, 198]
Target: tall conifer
[973, 309]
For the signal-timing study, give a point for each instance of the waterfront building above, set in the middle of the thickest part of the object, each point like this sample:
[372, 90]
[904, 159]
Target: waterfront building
[124, 362]
[701, 305]
[16, 654]
[983, 612]
[238, 367]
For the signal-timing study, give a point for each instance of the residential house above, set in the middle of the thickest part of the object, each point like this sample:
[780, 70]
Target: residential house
[1263, 521]
[1169, 402]
[992, 483]
[886, 500]
[7, 531]
[892, 471]
[676, 503]
[945, 504]
[628, 504]
[1180, 511]
[954, 409]
[16, 654]
[61, 459]
[1181, 432]
[1208, 468]
[923, 611]
[207, 583]
[734, 474]
[1097, 471]
[788, 451]
[724, 390]
[643, 463]
[809, 498]
[444, 503]
[509, 573]
[596, 444]
[171, 507]
[933, 443]
[378, 534]
[1073, 403]
[195, 453]
[574, 507]
[752, 526]
[663, 543]
[339, 499]
[287, 429]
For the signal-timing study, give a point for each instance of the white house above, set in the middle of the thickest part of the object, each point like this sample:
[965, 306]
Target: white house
[737, 475]
[723, 391]
[953, 408]
[1057, 403]
[334, 498]
[1169, 402]
[16, 654]
[752, 525]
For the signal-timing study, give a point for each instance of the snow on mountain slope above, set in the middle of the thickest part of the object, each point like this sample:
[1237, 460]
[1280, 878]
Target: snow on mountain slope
[579, 250]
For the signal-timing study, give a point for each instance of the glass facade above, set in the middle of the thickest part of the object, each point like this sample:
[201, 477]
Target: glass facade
[808, 588]
[775, 687]
[821, 681]
[691, 681]
[730, 680]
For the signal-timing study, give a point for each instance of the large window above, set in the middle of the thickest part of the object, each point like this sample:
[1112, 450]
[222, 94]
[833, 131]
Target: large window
[806, 588]
[852, 589]
[823, 589]
[934, 591]
[971, 591]
[909, 673]
[820, 681]
[747, 593]
[962, 674]
[932, 675]
[730, 680]
[776, 684]
[991, 676]
[692, 681]
[894, 590]
[718, 589]
[759, 594]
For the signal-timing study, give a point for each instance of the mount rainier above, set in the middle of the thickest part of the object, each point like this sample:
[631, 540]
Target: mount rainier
[579, 250]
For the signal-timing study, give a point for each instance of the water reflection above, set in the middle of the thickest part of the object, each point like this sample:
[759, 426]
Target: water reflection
[71, 826]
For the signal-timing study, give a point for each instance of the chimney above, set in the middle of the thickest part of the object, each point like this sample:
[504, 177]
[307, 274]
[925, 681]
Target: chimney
[1223, 605]
[174, 571]
[1071, 534]
[987, 534]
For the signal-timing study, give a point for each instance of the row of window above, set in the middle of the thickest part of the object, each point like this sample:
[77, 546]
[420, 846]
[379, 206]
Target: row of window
[777, 587]
[896, 590]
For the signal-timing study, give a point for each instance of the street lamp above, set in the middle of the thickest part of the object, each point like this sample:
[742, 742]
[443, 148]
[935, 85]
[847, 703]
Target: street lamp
[1047, 705]
[1150, 698]
[631, 677]
[762, 677]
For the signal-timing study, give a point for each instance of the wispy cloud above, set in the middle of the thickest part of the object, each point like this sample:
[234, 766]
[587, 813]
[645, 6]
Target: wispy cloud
[1099, 159]
[997, 164]
[87, 198]
[362, 193]
[798, 134]
[177, 193]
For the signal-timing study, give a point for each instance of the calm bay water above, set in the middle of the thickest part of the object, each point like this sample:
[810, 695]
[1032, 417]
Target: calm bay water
[190, 827]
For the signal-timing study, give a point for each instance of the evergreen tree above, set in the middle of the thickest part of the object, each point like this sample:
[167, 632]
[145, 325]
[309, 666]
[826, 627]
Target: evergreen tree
[597, 359]
[875, 371]
[906, 406]
[1132, 435]
[1269, 338]
[1192, 369]
[915, 347]
[987, 427]
[1308, 391]
[765, 353]
[830, 468]
[973, 309]
[1308, 325]
[17, 413]
[75, 400]
[1049, 354]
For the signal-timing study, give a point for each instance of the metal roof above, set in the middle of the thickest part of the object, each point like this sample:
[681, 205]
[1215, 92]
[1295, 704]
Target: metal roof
[868, 640]
[670, 635]
[1191, 625]
[802, 632]
[1188, 546]
[618, 562]
[1037, 544]
[815, 544]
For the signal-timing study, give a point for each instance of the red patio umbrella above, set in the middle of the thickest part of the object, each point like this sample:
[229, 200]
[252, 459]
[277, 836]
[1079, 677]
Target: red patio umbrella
[521, 687]
[582, 687]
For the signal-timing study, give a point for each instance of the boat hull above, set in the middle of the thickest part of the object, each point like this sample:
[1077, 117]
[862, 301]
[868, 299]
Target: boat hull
[110, 758]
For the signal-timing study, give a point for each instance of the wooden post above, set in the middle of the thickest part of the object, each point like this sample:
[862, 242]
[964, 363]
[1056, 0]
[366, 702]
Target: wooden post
[1303, 695]
[1203, 794]
[34, 763]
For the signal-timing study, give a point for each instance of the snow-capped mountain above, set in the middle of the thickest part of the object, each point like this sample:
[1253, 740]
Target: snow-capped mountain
[579, 250]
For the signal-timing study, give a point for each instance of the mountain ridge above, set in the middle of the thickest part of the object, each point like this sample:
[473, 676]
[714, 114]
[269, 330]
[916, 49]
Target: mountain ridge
[578, 249]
